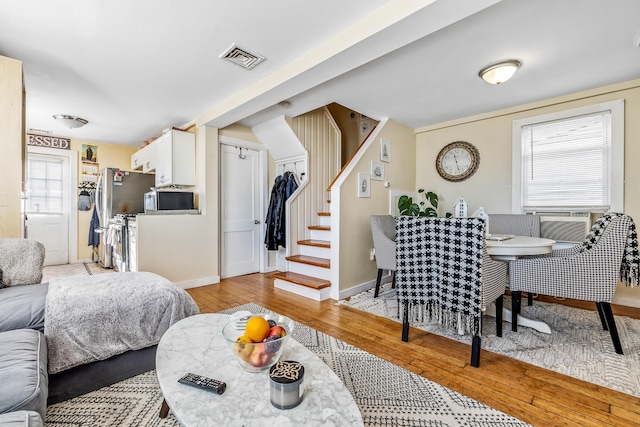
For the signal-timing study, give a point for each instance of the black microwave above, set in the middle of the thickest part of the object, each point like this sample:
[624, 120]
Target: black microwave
[160, 200]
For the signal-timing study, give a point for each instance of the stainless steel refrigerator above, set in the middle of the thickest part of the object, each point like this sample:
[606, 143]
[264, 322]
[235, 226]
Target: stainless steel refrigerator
[118, 192]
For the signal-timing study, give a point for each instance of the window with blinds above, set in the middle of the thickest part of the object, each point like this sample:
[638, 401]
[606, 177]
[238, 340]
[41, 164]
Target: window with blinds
[570, 161]
[565, 163]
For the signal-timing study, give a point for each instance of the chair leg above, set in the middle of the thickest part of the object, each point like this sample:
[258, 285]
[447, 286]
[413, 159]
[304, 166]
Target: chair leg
[499, 305]
[405, 323]
[375, 295]
[603, 320]
[611, 323]
[515, 309]
[164, 409]
[475, 351]
[529, 298]
[393, 280]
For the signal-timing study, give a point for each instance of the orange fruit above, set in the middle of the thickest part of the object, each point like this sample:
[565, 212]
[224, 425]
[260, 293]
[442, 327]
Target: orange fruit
[257, 328]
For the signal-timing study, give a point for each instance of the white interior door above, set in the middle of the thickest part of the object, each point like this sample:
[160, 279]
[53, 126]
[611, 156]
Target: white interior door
[47, 205]
[240, 208]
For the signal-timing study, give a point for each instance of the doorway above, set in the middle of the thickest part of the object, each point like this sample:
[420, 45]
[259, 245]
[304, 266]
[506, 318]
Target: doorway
[242, 208]
[50, 197]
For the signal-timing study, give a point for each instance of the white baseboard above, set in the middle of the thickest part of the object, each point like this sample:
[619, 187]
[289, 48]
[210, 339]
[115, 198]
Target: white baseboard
[626, 301]
[202, 281]
[354, 290]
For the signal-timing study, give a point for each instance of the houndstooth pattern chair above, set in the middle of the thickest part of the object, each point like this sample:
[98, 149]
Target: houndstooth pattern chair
[445, 274]
[587, 272]
[383, 229]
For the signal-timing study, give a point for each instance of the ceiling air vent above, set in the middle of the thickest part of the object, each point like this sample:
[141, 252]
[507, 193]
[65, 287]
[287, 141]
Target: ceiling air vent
[242, 57]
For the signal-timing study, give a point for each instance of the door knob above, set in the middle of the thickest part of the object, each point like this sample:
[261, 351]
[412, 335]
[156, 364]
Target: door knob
[255, 221]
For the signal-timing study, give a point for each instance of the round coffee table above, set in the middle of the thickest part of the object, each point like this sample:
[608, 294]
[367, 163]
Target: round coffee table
[195, 344]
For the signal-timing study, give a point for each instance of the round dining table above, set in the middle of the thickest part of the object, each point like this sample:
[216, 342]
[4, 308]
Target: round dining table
[511, 249]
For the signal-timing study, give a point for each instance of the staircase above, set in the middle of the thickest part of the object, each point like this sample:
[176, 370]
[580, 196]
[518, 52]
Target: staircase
[310, 270]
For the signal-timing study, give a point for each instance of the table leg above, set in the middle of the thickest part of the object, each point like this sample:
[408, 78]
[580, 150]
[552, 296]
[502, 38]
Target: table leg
[164, 409]
[538, 325]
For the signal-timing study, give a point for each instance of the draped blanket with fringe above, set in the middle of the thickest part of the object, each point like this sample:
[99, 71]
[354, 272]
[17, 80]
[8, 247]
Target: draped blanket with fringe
[439, 270]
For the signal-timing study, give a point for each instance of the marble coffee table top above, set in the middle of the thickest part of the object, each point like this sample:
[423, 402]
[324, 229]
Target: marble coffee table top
[195, 344]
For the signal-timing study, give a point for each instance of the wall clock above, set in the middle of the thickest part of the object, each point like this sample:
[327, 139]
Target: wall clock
[457, 161]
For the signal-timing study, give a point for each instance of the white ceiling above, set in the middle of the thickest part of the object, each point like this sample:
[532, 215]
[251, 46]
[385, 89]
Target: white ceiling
[135, 67]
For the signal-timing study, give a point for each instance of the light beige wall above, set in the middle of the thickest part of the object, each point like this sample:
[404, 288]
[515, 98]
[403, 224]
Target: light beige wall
[109, 156]
[355, 226]
[350, 129]
[11, 144]
[239, 132]
[490, 187]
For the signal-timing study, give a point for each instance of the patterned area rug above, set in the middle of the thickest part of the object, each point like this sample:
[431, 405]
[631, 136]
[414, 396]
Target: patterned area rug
[386, 394]
[577, 345]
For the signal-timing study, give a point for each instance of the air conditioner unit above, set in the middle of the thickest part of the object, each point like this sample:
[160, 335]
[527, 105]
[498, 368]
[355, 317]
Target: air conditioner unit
[565, 228]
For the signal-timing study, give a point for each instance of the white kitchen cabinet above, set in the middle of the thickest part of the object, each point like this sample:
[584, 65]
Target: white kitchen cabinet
[144, 159]
[175, 159]
[137, 159]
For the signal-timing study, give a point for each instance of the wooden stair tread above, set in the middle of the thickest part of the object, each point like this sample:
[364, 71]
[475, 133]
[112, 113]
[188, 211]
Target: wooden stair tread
[311, 260]
[314, 242]
[301, 279]
[324, 213]
[319, 227]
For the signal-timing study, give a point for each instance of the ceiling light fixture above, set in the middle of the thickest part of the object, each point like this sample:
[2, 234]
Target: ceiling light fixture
[71, 122]
[499, 72]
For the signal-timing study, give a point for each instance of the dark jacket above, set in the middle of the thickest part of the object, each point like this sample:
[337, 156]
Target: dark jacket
[275, 235]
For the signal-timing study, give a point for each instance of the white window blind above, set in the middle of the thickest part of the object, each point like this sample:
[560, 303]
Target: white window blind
[566, 164]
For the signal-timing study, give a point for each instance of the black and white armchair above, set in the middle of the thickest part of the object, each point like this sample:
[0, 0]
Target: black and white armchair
[444, 273]
[589, 271]
[383, 229]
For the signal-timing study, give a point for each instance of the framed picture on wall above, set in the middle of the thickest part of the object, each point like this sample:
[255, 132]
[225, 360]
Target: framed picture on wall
[364, 185]
[377, 171]
[385, 150]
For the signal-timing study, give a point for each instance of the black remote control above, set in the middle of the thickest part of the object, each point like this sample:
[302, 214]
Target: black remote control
[203, 382]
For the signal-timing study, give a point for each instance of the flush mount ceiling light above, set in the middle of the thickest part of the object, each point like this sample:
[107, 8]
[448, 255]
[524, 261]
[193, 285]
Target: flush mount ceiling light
[500, 72]
[71, 122]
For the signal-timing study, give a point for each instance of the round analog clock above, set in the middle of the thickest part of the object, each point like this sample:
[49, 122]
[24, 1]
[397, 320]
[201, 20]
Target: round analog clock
[457, 161]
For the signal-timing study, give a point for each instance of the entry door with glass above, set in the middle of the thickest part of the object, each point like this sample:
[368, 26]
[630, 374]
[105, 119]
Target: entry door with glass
[47, 211]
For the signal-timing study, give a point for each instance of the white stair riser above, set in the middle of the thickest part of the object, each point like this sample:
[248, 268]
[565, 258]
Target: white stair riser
[314, 294]
[320, 234]
[324, 220]
[310, 270]
[314, 251]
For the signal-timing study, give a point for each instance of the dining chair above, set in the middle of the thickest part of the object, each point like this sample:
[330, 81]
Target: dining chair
[445, 274]
[518, 225]
[588, 272]
[383, 229]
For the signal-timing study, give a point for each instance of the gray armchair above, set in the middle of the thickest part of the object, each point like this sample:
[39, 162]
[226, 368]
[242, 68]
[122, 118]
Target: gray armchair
[518, 225]
[21, 261]
[589, 271]
[383, 228]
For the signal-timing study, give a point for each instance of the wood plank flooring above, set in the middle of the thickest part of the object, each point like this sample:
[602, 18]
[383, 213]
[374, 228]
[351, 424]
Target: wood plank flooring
[535, 395]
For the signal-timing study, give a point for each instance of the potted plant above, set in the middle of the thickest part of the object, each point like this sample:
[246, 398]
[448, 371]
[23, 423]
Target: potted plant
[407, 207]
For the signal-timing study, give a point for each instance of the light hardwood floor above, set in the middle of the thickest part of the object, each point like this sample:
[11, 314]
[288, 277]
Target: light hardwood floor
[532, 394]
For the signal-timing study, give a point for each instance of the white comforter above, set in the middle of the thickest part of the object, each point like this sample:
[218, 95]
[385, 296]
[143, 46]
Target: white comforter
[93, 318]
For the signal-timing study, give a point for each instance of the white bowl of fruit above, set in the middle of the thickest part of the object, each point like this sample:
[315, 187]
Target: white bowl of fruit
[257, 340]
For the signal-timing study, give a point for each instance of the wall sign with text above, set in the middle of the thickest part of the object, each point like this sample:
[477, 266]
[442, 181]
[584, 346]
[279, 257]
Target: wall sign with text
[48, 141]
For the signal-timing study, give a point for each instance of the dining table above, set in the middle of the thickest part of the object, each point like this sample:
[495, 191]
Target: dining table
[510, 248]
